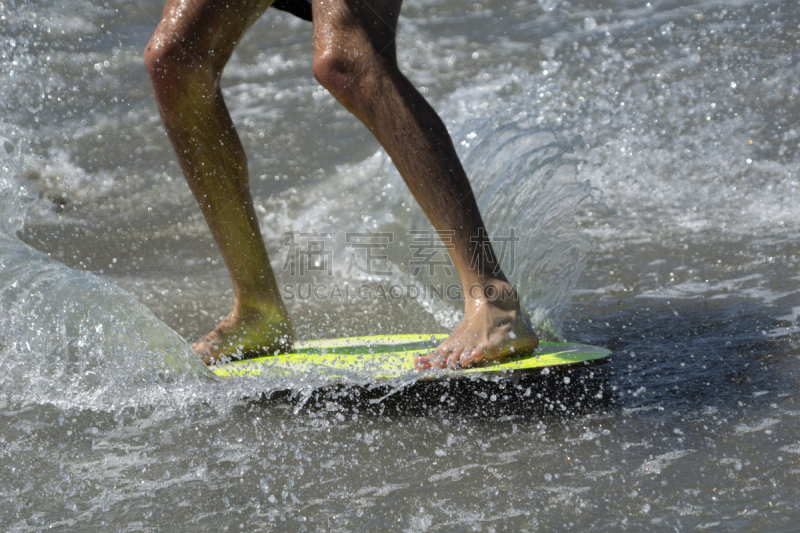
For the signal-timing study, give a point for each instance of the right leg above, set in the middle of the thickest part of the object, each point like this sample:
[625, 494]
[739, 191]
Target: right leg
[184, 60]
[354, 58]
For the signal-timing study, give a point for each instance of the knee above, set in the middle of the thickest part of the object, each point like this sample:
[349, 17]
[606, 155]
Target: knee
[353, 77]
[161, 59]
[335, 71]
[172, 70]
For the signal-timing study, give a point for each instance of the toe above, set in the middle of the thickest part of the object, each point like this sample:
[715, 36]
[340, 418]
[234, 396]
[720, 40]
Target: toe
[438, 360]
[423, 362]
[205, 349]
[470, 358]
[452, 361]
[432, 360]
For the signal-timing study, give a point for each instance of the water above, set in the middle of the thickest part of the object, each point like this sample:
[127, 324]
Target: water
[645, 154]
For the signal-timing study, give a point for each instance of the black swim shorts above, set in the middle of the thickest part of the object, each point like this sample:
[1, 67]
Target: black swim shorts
[299, 8]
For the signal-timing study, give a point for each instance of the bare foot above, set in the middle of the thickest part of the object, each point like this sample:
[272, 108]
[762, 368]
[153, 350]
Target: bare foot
[491, 331]
[244, 333]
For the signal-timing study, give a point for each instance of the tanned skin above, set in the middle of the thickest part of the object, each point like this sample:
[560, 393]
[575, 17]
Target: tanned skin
[355, 60]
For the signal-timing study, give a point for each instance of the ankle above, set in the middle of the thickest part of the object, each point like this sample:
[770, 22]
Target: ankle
[258, 304]
[494, 291]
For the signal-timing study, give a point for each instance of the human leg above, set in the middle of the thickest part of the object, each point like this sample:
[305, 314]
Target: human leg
[184, 60]
[354, 58]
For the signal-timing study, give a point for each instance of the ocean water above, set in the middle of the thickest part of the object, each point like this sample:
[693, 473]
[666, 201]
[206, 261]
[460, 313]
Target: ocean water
[639, 159]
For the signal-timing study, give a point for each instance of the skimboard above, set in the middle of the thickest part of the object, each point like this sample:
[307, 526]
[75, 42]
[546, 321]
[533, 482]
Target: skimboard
[382, 357]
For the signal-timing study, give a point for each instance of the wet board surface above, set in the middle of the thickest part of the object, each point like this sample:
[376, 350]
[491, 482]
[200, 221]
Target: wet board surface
[382, 357]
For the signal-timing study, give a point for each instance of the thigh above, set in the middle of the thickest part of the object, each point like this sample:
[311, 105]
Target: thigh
[206, 30]
[347, 25]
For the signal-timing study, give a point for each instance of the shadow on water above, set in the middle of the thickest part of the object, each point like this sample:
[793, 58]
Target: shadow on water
[671, 357]
[575, 392]
[686, 354]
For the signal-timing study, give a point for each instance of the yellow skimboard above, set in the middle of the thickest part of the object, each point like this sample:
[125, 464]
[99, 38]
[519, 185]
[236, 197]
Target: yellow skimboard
[382, 357]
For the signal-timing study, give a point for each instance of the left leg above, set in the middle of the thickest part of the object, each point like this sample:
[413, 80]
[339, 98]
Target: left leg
[185, 59]
[354, 58]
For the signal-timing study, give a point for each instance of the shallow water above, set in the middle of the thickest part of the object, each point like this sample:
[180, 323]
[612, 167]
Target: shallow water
[645, 155]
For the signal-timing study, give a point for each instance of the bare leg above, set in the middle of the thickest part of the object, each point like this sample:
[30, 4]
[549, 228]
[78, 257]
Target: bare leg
[354, 58]
[184, 59]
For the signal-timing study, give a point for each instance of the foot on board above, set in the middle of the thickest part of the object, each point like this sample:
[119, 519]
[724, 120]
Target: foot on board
[491, 332]
[246, 333]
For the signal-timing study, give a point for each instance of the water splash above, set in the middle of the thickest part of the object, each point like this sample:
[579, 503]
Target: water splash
[69, 338]
[527, 187]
